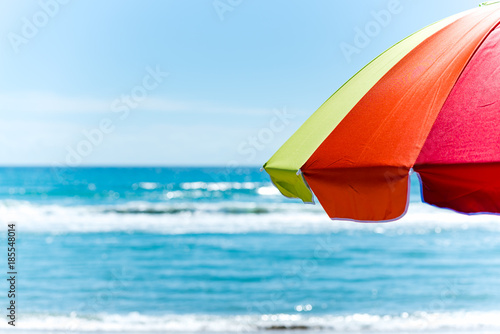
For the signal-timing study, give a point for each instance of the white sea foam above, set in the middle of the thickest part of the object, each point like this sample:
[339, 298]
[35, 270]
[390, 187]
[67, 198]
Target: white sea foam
[463, 322]
[219, 186]
[225, 217]
[268, 191]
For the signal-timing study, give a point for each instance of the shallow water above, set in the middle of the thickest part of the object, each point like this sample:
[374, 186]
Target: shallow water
[204, 250]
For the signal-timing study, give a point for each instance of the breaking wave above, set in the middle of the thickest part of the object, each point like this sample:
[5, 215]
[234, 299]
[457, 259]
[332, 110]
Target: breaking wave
[224, 217]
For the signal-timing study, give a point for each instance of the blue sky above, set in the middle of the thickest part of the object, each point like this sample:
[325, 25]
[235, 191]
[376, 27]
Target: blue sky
[180, 82]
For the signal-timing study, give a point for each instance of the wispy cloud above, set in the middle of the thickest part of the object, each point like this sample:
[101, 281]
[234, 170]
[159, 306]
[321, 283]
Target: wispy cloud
[47, 102]
[42, 102]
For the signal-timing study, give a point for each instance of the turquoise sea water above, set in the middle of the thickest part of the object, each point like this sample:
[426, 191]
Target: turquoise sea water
[219, 250]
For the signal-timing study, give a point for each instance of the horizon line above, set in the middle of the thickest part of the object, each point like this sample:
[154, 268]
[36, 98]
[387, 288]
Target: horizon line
[127, 166]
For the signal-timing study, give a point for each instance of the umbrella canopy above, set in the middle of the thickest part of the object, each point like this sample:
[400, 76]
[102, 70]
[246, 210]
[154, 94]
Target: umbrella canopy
[430, 104]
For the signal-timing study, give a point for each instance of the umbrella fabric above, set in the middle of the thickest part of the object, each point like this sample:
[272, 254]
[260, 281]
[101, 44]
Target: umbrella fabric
[431, 104]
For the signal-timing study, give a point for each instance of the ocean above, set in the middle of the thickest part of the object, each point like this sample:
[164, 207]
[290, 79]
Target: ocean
[201, 250]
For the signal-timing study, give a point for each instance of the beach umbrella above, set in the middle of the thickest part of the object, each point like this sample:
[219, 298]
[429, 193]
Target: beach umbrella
[430, 105]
